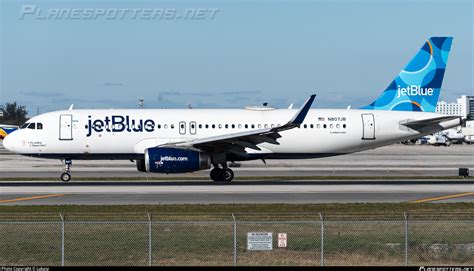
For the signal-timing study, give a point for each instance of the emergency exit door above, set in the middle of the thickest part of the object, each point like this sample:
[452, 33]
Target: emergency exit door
[65, 127]
[368, 127]
[182, 127]
[192, 127]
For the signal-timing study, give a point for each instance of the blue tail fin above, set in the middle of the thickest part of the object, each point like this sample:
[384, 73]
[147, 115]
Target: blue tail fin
[417, 86]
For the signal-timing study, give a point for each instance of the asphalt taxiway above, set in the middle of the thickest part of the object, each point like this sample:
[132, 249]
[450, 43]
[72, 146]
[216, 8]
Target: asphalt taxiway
[251, 191]
[395, 160]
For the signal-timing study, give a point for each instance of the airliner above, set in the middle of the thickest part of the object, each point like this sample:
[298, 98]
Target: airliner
[188, 140]
[6, 129]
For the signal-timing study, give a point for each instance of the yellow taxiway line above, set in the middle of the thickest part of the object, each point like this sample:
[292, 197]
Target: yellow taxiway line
[31, 198]
[443, 197]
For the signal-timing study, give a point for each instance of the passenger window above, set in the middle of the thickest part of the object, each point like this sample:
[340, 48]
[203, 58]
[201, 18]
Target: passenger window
[233, 126]
[172, 126]
[31, 126]
[259, 126]
[272, 125]
[227, 126]
[207, 126]
[305, 126]
[344, 126]
[166, 126]
[330, 126]
[200, 126]
[337, 126]
[253, 126]
[159, 126]
[311, 126]
[240, 126]
[266, 125]
[318, 126]
[246, 126]
[182, 126]
[39, 126]
[213, 126]
[324, 126]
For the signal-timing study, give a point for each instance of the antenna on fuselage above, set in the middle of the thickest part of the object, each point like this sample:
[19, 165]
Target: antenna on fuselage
[71, 107]
[141, 102]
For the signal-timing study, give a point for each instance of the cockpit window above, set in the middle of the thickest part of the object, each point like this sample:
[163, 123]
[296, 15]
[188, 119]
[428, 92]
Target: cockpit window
[32, 125]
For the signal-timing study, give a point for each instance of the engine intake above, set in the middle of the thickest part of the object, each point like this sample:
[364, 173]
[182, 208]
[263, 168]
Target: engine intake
[173, 160]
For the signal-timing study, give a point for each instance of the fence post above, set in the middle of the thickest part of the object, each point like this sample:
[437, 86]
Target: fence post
[62, 239]
[149, 239]
[235, 240]
[406, 238]
[322, 238]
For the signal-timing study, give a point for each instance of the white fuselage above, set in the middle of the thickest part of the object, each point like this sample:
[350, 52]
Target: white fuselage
[125, 134]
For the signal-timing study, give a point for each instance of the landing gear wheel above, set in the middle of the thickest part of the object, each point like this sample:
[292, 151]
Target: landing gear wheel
[228, 175]
[65, 177]
[217, 174]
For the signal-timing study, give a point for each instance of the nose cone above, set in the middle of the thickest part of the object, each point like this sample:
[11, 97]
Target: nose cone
[8, 143]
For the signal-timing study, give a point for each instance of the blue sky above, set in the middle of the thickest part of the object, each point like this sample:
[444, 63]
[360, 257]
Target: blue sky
[250, 52]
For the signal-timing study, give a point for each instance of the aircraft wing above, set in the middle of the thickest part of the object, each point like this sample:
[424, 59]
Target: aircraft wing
[237, 142]
[420, 125]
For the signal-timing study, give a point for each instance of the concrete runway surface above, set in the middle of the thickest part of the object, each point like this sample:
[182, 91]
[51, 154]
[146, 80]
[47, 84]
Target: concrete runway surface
[395, 160]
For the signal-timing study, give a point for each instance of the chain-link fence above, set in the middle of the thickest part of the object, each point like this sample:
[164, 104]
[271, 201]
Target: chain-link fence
[236, 240]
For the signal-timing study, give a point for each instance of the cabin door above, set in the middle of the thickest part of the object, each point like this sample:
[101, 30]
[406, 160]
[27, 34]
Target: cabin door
[368, 127]
[65, 127]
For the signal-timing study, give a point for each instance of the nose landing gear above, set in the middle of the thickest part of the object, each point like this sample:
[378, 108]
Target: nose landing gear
[66, 176]
[223, 174]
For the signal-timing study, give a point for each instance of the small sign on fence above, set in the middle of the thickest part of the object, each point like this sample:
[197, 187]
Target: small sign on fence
[259, 241]
[282, 240]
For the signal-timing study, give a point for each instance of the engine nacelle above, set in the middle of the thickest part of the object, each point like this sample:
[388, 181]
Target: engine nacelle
[173, 160]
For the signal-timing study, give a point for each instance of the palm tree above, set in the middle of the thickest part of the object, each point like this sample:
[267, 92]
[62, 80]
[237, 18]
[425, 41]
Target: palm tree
[13, 114]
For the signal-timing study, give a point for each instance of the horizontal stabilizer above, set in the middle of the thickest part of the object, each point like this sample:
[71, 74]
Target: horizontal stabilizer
[420, 125]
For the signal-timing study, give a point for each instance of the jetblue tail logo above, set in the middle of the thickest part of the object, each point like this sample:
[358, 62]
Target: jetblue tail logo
[418, 85]
[413, 90]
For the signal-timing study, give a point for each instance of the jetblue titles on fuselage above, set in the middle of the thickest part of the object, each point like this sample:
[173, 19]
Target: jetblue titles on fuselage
[117, 124]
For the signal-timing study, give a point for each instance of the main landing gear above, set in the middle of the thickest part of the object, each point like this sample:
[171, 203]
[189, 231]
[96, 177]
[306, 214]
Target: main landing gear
[223, 174]
[66, 176]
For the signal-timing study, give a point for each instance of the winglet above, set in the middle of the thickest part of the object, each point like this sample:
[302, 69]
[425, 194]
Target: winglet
[301, 115]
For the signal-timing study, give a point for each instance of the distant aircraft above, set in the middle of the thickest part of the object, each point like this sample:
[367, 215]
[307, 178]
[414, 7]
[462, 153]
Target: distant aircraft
[6, 130]
[454, 135]
[179, 141]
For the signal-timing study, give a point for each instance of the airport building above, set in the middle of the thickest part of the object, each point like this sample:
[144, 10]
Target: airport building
[463, 106]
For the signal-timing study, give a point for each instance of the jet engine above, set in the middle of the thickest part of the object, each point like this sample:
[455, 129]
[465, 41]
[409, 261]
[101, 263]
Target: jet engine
[174, 160]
